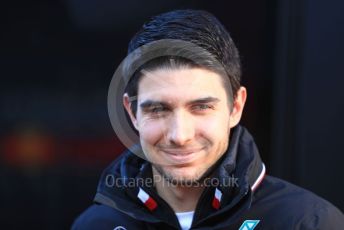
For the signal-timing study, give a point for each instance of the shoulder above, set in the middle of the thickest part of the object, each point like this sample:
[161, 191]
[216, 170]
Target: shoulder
[280, 191]
[286, 204]
[100, 217]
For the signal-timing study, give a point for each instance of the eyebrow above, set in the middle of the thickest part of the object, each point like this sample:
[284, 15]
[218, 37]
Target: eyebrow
[205, 100]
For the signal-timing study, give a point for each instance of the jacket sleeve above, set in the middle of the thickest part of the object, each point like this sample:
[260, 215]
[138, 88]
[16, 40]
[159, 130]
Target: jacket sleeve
[326, 218]
[95, 217]
[101, 217]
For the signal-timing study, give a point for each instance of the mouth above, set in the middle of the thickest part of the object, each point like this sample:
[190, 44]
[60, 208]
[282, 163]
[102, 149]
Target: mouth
[181, 156]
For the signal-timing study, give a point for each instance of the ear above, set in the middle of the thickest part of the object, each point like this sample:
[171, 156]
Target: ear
[127, 106]
[238, 106]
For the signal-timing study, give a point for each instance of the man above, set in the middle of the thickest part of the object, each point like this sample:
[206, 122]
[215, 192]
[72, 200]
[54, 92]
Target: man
[199, 169]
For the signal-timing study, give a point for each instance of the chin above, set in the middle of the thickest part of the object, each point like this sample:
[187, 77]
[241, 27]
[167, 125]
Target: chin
[182, 176]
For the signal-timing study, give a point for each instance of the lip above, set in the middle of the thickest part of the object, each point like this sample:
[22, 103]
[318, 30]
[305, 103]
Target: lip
[181, 156]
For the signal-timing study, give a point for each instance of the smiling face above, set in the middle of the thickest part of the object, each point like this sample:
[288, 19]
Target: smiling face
[184, 120]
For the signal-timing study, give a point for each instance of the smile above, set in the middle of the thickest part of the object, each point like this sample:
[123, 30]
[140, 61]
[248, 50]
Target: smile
[181, 156]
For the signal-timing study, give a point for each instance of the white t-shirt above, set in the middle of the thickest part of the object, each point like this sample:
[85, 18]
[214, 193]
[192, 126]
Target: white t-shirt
[185, 219]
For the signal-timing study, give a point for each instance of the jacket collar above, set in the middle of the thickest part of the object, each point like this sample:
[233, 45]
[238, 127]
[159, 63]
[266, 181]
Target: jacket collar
[238, 173]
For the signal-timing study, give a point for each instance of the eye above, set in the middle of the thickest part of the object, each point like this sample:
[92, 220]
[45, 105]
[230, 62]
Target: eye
[154, 109]
[157, 109]
[202, 107]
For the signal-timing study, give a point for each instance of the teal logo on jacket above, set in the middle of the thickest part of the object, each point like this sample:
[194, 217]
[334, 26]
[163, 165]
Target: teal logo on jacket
[249, 224]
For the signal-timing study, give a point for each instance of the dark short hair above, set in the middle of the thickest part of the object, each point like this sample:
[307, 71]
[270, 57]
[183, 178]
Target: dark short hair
[196, 26]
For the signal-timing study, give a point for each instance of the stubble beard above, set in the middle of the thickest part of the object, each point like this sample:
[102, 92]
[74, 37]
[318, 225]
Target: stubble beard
[199, 176]
[197, 179]
[178, 181]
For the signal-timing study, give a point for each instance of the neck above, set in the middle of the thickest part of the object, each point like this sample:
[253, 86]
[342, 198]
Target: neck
[180, 198]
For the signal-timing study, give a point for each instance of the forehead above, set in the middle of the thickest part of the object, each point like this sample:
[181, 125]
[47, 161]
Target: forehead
[188, 83]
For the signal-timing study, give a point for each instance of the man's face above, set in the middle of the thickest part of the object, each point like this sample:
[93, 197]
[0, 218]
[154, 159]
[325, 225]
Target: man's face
[183, 119]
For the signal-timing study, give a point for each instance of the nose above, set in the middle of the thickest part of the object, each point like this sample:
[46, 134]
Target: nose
[181, 128]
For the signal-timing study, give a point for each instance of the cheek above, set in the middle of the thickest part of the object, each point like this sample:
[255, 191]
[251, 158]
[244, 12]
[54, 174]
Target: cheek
[150, 131]
[214, 127]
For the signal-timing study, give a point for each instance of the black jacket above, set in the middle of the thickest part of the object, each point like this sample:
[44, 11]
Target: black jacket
[277, 204]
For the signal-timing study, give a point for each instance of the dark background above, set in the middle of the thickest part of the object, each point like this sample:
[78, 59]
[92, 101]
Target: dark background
[57, 59]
